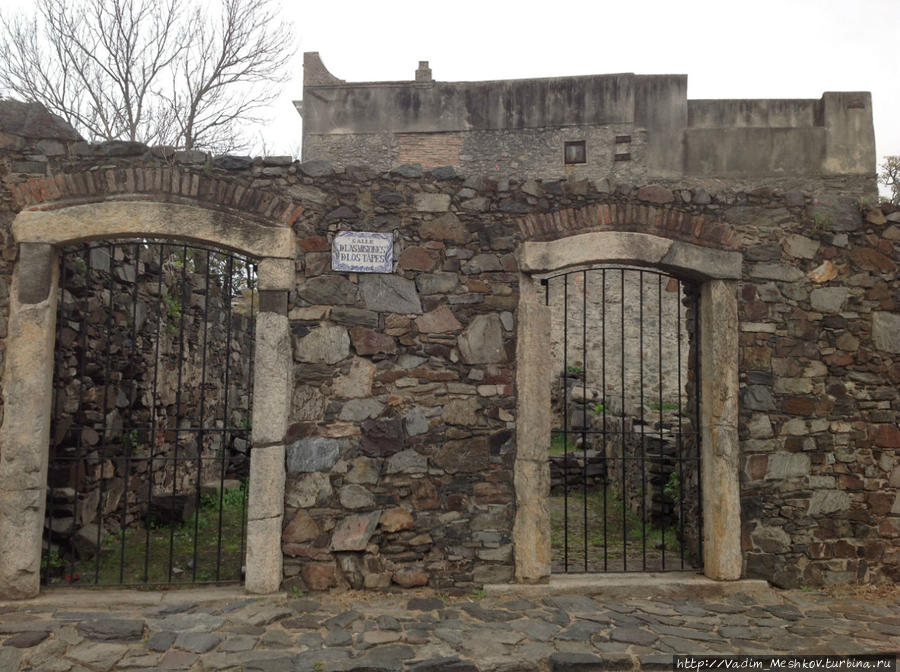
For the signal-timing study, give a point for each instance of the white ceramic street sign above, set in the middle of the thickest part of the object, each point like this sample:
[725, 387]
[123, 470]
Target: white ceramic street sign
[363, 252]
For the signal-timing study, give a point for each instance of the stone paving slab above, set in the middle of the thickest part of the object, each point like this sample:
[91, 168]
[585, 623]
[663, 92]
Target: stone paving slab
[425, 632]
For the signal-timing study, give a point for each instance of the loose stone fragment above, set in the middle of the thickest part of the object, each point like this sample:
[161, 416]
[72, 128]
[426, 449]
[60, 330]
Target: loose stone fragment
[327, 344]
[112, 629]
[26, 640]
[445, 227]
[355, 497]
[358, 382]
[409, 577]
[823, 273]
[308, 490]
[396, 519]
[425, 202]
[301, 528]
[389, 294]
[886, 331]
[482, 341]
[371, 342]
[313, 454]
[353, 532]
[416, 423]
[439, 321]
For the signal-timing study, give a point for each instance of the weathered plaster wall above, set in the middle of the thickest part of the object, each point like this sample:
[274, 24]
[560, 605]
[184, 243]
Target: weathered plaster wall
[640, 128]
[402, 442]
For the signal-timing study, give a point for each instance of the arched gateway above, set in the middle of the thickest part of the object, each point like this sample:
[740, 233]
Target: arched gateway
[41, 233]
[715, 272]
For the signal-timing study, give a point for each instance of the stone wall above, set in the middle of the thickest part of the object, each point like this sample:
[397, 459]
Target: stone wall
[402, 438]
[819, 407]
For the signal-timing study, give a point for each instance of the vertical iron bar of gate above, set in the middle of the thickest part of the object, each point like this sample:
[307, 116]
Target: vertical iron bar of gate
[159, 309]
[603, 401]
[177, 431]
[680, 429]
[565, 380]
[57, 367]
[226, 282]
[79, 467]
[201, 426]
[697, 400]
[663, 456]
[622, 393]
[584, 415]
[643, 443]
[128, 446]
[109, 331]
[251, 284]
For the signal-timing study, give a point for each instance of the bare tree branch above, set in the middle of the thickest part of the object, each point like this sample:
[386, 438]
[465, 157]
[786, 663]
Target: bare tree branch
[889, 176]
[148, 70]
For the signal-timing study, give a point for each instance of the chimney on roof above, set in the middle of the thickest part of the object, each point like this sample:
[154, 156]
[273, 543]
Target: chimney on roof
[423, 74]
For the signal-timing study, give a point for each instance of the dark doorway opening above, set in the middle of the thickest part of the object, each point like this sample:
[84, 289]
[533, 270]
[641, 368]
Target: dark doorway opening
[625, 442]
[150, 436]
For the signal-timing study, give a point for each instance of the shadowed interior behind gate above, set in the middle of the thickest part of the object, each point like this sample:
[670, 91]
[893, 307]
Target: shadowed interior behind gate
[624, 453]
[150, 446]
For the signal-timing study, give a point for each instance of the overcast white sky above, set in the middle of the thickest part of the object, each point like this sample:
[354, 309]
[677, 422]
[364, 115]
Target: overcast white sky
[754, 49]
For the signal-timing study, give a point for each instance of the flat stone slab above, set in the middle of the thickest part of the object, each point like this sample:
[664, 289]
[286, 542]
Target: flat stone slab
[26, 640]
[112, 629]
[197, 642]
[445, 664]
[161, 641]
[419, 631]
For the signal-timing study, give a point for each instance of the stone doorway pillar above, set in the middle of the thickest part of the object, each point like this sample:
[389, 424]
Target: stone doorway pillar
[25, 435]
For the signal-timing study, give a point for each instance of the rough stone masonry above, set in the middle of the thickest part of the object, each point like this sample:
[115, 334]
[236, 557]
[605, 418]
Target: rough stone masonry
[401, 441]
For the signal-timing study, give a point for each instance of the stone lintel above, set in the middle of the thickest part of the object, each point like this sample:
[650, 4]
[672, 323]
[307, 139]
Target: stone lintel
[588, 248]
[641, 249]
[720, 459]
[127, 218]
[686, 259]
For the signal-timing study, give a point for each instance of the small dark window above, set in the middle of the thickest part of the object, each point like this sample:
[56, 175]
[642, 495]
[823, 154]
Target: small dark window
[575, 152]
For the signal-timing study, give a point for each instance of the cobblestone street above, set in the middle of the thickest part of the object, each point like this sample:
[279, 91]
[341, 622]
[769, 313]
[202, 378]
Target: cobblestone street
[428, 632]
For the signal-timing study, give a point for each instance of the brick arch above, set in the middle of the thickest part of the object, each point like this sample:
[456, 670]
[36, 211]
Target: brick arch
[660, 220]
[162, 184]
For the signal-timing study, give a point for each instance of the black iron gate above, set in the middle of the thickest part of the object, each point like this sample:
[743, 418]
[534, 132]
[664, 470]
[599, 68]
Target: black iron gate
[625, 449]
[150, 437]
